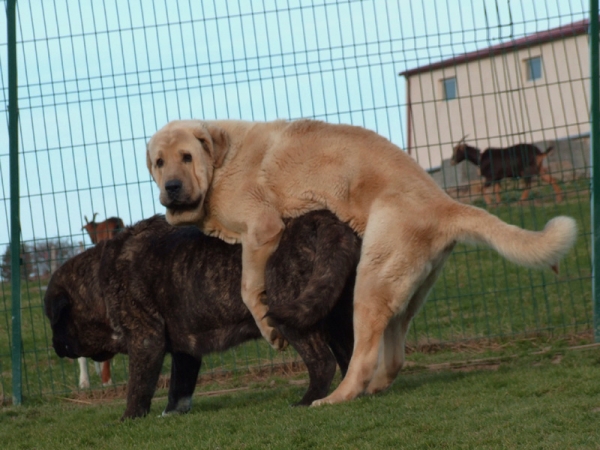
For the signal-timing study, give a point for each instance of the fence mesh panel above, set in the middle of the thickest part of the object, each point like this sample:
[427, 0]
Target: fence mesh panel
[97, 79]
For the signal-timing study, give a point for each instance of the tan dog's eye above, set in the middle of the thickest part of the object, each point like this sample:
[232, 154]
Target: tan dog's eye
[159, 162]
[187, 158]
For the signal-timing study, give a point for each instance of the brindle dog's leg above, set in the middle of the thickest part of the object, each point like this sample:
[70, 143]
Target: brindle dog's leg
[320, 362]
[184, 375]
[146, 355]
[340, 330]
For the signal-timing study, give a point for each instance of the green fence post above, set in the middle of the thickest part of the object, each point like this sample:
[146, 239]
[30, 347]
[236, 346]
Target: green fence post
[15, 226]
[595, 157]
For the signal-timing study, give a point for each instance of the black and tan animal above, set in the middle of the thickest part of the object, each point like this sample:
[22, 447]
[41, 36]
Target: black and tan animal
[520, 161]
[157, 289]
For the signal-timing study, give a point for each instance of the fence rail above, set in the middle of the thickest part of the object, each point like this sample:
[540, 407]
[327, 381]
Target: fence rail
[97, 79]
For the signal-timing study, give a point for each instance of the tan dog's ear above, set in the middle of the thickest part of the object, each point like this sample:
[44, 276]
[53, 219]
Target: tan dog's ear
[148, 162]
[219, 146]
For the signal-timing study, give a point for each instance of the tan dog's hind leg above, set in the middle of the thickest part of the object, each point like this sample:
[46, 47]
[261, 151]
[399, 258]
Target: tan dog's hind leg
[258, 244]
[394, 338]
[392, 267]
[391, 355]
[370, 321]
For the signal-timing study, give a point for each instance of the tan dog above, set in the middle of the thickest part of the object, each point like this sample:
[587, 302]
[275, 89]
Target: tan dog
[237, 180]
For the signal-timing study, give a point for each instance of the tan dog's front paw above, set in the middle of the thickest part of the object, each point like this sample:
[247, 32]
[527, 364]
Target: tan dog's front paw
[264, 299]
[277, 340]
[271, 334]
[271, 322]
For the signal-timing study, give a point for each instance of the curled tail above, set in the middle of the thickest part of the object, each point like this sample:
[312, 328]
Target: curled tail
[336, 255]
[535, 249]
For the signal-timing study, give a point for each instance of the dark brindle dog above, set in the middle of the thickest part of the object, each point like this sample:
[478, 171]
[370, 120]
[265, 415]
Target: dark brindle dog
[157, 289]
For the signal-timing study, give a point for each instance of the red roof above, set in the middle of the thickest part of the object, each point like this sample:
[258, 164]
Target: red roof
[572, 29]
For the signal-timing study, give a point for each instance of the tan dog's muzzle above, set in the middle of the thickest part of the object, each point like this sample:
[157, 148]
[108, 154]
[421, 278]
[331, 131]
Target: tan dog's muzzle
[173, 189]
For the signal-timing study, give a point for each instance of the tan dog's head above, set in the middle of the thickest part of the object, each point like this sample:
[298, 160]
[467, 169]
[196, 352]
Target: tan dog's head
[181, 158]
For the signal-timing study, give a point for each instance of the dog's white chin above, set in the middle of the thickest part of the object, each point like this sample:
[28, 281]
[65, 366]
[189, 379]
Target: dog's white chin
[183, 218]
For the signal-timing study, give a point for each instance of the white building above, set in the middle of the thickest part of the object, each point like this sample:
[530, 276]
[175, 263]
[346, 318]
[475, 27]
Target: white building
[531, 89]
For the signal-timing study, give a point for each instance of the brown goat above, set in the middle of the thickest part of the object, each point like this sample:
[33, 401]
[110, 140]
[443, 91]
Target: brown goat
[102, 231]
[519, 161]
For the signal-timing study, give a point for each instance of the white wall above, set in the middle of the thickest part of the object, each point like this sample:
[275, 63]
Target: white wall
[497, 106]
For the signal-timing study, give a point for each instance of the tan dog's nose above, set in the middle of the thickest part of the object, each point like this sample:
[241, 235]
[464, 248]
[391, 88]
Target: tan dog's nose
[173, 188]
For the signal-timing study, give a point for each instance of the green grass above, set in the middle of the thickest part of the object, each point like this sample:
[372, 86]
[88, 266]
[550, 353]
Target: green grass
[478, 296]
[549, 401]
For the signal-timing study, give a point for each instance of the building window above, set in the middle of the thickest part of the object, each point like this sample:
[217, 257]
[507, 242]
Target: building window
[534, 68]
[449, 86]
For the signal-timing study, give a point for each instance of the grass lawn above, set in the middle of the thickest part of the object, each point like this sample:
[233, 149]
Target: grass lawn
[519, 399]
[478, 295]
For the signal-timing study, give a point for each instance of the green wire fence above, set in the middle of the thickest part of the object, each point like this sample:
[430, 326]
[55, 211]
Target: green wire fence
[85, 84]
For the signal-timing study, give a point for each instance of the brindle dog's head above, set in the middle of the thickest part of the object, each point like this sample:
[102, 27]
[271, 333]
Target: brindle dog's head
[77, 314]
[181, 158]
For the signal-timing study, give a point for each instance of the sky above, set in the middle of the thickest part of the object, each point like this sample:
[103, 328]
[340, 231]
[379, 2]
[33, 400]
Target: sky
[97, 79]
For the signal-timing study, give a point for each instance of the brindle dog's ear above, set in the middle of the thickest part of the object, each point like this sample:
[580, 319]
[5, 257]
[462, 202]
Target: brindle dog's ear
[219, 144]
[58, 309]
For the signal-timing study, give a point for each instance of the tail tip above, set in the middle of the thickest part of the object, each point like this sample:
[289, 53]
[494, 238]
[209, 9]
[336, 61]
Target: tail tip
[563, 230]
[563, 225]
